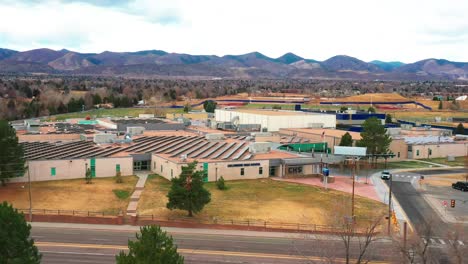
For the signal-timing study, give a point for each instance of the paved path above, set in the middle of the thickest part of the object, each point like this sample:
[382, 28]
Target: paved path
[342, 183]
[135, 198]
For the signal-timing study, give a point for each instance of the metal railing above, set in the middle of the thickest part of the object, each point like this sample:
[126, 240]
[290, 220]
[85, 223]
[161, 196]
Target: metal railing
[67, 212]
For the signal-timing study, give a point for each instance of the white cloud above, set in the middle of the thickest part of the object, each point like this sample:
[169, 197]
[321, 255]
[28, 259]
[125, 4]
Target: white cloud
[366, 29]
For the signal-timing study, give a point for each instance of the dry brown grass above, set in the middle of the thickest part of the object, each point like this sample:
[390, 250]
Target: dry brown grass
[444, 180]
[427, 114]
[374, 97]
[265, 200]
[70, 195]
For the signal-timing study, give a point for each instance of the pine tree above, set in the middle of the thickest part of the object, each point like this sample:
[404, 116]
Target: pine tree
[15, 244]
[374, 137]
[388, 119]
[151, 246]
[12, 159]
[187, 191]
[460, 130]
[209, 106]
[346, 140]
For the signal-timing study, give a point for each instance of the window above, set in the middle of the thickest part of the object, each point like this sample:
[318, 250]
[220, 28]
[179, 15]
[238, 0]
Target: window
[242, 172]
[430, 152]
[260, 170]
[172, 173]
[417, 152]
[154, 164]
[52, 171]
[398, 154]
[161, 168]
[117, 168]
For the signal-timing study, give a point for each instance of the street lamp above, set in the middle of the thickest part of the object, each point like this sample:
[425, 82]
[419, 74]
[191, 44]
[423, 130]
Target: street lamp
[390, 205]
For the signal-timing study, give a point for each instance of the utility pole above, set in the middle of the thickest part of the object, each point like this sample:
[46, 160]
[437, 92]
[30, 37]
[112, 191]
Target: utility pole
[352, 198]
[390, 205]
[30, 196]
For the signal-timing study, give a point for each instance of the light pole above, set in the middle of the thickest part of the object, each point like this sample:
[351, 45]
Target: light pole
[352, 197]
[390, 205]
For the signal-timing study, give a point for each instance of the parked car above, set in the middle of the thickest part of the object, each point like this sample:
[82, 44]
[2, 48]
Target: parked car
[385, 175]
[462, 186]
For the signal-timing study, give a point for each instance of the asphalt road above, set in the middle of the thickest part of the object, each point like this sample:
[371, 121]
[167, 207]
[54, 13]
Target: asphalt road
[70, 245]
[418, 210]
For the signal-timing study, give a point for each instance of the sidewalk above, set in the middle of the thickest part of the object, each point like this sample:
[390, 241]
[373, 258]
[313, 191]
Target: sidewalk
[342, 183]
[193, 231]
[383, 193]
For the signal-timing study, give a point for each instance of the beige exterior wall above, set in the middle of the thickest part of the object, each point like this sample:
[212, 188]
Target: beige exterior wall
[40, 170]
[48, 137]
[234, 173]
[170, 169]
[399, 148]
[440, 150]
[165, 168]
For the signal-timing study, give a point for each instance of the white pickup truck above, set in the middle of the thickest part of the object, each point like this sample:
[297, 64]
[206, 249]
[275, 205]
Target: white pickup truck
[385, 175]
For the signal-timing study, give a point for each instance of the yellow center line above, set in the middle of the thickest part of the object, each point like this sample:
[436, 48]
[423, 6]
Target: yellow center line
[200, 252]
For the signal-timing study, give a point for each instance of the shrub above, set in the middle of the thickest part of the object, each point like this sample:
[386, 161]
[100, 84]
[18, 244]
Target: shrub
[121, 194]
[118, 177]
[220, 183]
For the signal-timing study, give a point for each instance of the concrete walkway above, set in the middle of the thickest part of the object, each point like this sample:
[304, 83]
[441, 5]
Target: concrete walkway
[342, 183]
[135, 198]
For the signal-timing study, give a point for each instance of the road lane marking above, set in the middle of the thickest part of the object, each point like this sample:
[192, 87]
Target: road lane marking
[432, 240]
[199, 251]
[442, 241]
[461, 243]
[76, 253]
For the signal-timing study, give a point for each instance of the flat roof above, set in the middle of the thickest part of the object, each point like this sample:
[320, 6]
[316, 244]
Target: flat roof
[271, 112]
[328, 132]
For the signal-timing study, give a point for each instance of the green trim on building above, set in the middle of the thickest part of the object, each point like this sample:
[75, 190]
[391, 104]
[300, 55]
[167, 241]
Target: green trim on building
[306, 147]
[205, 172]
[93, 167]
[53, 171]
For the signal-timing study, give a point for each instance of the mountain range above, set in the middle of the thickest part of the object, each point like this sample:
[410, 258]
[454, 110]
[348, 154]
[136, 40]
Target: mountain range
[158, 63]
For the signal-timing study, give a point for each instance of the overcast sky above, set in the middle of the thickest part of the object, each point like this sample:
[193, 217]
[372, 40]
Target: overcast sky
[404, 30]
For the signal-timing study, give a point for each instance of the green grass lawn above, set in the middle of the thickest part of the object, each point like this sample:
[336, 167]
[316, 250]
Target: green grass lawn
[261, 200]
[459, 161]
[113, 112]
[404, 165]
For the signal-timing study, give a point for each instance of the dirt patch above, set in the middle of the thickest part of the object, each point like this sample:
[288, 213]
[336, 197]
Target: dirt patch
[70, 195]
[261, 200]
[444, 180]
